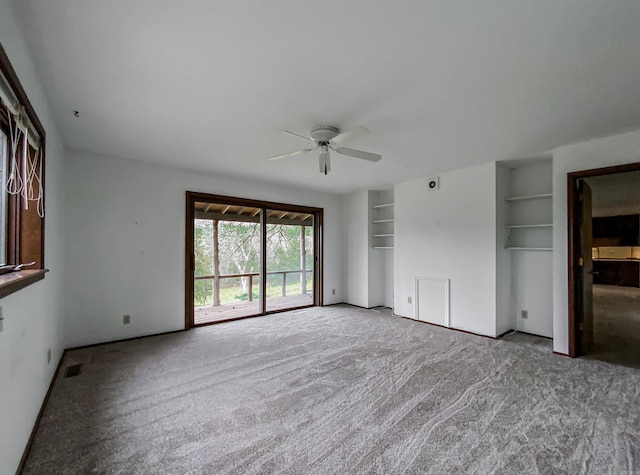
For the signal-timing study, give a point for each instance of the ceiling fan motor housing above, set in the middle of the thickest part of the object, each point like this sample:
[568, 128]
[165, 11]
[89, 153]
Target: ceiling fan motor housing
[324, 134]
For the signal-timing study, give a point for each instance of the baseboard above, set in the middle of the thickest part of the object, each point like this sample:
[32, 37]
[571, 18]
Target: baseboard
[524, 333]
[27, 449]
[123, 339]
[447, 328]
[358, 306]
[562, 354]
[346, 303]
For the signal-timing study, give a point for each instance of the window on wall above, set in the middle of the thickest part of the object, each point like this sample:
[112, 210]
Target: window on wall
[4, 149]
[22, 147]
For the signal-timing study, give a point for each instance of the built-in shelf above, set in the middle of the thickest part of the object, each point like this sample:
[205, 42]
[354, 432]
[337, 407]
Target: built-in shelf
[520, 226]
[530, 197]
[530, 248]
[381, 214]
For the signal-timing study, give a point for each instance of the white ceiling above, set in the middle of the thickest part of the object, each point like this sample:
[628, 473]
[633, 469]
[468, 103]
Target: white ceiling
[442, 84]
[615, 195]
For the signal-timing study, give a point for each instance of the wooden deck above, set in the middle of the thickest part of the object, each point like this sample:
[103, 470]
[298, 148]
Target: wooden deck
[210, 314]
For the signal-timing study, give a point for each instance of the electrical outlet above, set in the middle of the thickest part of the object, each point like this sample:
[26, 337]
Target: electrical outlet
[49, 356]
[126, 319]
[409, 299]
[524, 314]
[333, 291]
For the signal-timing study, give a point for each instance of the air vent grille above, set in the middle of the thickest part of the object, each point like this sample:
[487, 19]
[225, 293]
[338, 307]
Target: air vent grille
[73, 370]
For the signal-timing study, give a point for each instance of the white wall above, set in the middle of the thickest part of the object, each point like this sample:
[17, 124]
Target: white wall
[126, 254]
[33, 317]
[609, 151]
[388, 276]
[450, 233]
[356, 254]
[533, 292]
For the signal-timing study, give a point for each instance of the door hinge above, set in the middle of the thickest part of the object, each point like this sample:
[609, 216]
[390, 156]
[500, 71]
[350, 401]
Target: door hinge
[580, 197]
[581, 326]
[581, 262]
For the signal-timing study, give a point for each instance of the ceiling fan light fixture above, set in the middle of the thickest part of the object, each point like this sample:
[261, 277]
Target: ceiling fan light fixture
[324, 159]
[327, 137]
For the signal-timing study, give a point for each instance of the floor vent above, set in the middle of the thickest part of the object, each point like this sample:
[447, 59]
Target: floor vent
[73, 370]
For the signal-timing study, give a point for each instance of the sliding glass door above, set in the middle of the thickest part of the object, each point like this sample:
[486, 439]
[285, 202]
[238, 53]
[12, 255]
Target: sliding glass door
[227, 244]
[289, 260]
[246, 258]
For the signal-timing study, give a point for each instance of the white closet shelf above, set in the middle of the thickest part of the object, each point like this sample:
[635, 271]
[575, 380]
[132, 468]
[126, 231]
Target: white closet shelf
[382, 221]
[385, 205]
[518, 226]
[382, 247]
[529, 248]
[383, 235]
[530, 197]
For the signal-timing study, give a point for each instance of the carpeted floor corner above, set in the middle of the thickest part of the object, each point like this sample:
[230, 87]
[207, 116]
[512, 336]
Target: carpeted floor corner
[337, 390]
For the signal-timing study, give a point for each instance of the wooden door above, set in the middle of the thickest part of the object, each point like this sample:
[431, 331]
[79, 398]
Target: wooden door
[584, 274]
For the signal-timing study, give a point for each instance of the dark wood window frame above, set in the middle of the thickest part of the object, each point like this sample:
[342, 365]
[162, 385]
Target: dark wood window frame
[25, 232]
[193, 197]
[573, 241]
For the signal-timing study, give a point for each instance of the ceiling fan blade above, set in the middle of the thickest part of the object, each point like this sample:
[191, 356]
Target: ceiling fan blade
[350, 134]
[290, 154]
[372, 157]
[298, 135]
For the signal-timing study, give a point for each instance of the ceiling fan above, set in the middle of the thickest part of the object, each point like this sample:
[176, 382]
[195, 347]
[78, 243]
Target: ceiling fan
[328, 138]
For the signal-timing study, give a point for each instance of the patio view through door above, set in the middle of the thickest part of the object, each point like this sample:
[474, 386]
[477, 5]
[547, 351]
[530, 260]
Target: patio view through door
[289, 260]
[246, 258]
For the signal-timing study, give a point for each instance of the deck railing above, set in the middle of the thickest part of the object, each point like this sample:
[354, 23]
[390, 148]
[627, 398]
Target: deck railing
[250, 276]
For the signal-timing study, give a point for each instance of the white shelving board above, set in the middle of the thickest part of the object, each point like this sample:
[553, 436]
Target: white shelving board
[382, 219]
[536, 234]
[529, 248]
[523, 226]
[530, 197]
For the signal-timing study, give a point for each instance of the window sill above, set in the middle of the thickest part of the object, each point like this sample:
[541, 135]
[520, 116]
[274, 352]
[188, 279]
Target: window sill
[14, 281]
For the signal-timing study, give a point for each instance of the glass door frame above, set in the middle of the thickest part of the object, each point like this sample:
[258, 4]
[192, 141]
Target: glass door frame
[193, 197]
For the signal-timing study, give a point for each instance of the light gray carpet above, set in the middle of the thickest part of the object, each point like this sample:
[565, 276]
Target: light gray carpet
[616, 325]
[338, 390]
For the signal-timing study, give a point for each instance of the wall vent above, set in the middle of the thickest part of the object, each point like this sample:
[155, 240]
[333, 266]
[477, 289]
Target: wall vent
[73, 370]
[432, 300]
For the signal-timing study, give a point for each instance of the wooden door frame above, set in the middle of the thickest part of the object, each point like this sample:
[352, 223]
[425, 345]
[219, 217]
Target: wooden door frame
[189, 259]
[573, 224]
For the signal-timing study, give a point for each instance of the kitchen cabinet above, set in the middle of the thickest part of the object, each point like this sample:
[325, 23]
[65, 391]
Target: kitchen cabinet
[616, 272]
[616, 231]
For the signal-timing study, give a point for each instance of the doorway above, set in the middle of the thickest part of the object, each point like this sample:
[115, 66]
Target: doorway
[247, 258]
[604, 264]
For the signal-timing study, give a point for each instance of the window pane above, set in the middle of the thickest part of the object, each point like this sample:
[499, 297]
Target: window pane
[4, 144]
[289, 260]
